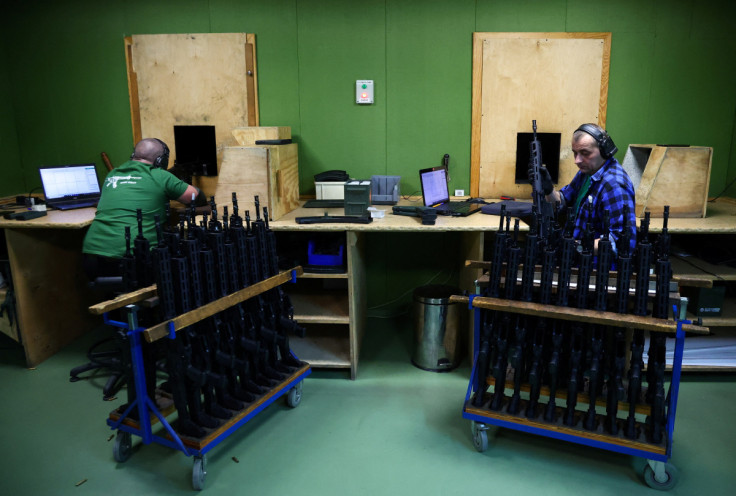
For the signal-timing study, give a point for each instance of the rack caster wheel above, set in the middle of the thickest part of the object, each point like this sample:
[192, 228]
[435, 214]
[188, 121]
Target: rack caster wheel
[294, 396]
[661, 476]
[199, 472]
[480, 436]
[122, 449]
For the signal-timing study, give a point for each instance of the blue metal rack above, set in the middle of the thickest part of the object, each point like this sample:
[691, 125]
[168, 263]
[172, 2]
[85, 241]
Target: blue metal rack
[658, 473]
[149, 413]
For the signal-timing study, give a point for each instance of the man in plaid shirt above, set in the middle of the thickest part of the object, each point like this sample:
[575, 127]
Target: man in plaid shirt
[600, 185]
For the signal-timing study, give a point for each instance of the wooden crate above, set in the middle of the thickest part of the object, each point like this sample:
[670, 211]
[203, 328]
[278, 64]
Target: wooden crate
[269, 171]
[678, 176]
[247, 136]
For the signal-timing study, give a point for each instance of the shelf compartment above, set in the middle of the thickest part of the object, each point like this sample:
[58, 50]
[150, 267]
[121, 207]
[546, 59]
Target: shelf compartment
[315, 275]
[320, 301]
[324, 346]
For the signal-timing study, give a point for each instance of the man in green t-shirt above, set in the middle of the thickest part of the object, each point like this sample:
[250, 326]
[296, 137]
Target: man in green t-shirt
[140, 183]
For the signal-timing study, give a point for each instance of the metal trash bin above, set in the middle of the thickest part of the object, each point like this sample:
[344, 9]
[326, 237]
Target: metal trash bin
[437, 338]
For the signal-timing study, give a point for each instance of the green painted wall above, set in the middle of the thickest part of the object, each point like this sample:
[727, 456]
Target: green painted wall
[64, 96]
[12, 177]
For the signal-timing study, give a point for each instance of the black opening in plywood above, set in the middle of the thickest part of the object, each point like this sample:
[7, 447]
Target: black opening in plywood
[550, 155]
[196, 150]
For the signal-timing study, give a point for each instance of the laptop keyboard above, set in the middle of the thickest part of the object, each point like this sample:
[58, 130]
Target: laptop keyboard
[458, 207]
[72, 205]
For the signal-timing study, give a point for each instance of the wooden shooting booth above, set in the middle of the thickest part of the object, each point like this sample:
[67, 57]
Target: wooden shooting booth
[211, 80]
[520, 77]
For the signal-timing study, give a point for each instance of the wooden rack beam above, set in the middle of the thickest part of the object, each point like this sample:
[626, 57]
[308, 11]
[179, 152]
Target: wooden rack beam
[124, 300]
[579, 315]
[571, 431]
[161, 330]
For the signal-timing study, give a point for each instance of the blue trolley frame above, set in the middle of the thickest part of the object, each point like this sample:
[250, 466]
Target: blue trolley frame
[655, 458]
[146, 406]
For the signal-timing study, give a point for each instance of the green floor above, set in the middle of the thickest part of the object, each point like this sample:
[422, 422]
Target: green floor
[395, 430]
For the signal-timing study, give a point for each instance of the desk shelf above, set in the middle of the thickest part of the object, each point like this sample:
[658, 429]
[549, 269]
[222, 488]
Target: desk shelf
[324, 346]
[331, 306]
[726, 319]
[690, 270]
[315, 304]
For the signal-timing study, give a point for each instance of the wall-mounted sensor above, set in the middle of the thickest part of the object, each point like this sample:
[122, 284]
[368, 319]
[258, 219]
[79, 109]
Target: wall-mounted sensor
[364, 91]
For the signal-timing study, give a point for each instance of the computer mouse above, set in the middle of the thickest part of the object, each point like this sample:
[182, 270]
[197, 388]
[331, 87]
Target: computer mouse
[476, 200]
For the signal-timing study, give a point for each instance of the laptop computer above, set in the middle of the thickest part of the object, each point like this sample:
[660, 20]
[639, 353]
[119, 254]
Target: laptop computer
[436, 194]
[70, 186]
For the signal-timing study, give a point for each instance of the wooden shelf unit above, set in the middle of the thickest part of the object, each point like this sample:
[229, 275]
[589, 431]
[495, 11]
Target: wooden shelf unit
[331, 307]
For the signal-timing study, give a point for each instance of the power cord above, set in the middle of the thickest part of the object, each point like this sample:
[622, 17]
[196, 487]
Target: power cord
[405, 293]
[724, 190]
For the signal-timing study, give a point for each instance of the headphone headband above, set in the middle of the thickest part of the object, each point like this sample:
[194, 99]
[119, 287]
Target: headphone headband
[603, 140]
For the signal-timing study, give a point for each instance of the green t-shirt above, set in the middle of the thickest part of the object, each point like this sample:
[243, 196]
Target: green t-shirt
[131, 186]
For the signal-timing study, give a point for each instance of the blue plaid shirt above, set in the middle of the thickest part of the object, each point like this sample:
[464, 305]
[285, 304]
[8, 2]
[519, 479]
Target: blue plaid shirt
[610, 189]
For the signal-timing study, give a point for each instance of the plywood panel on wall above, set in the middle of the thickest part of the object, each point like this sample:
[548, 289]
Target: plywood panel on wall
[558, 79]
[192, 79]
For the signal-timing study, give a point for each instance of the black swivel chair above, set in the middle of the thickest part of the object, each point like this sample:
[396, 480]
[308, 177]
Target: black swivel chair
[111, 357]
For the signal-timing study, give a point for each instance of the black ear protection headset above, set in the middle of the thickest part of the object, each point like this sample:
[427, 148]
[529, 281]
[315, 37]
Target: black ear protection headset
[605, 143]
[160, 162]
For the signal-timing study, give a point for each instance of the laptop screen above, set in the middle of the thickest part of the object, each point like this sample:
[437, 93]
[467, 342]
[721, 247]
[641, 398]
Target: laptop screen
[434, 186]
[69, 181]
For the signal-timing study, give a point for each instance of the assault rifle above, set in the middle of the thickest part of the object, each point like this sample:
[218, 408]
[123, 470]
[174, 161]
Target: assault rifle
[581, 298]
[641, 292]
[128, 267]
[544, 208]
[657, 348]
[549, 257]
[617, 357]
[238, 235]
[503, 321]
[490, 318]
[527, 288]
[563, 290]
[142, 252]
[595, 372]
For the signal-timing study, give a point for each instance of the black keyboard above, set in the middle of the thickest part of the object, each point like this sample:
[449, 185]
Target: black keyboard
[333, 219]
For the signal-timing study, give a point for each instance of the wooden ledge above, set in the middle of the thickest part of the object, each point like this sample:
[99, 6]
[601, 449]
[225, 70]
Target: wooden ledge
[579, 315]
[161, 330]
[124, 300]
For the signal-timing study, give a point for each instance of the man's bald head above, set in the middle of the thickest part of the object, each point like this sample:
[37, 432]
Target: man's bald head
[148, 150]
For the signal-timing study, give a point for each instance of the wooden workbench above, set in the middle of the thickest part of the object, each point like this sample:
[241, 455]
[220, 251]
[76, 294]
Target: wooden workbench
[333, 306]
[45, 257]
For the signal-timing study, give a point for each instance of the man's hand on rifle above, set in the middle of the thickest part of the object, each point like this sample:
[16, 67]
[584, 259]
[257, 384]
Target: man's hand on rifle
[544, 176]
